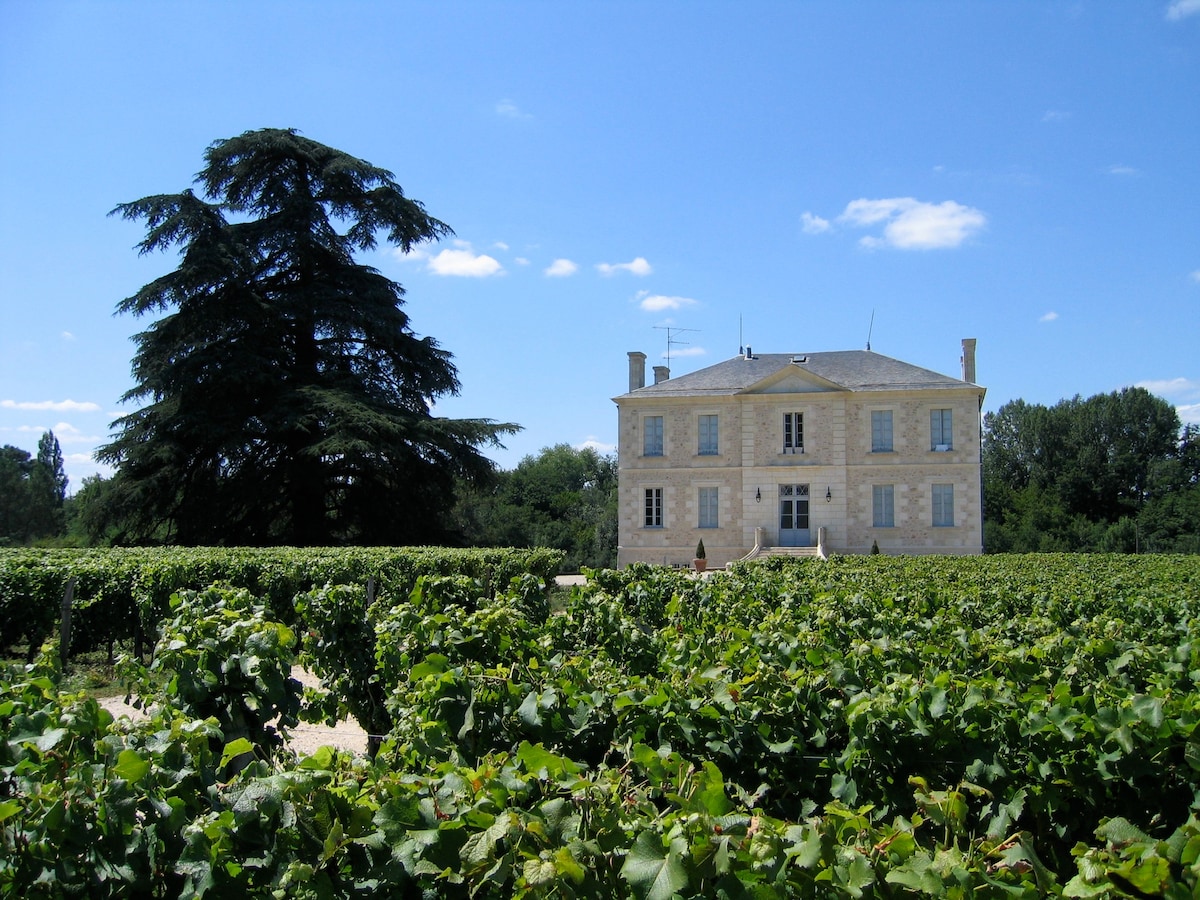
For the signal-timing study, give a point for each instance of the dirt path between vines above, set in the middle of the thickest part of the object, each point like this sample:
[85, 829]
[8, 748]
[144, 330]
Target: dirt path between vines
[304, 738]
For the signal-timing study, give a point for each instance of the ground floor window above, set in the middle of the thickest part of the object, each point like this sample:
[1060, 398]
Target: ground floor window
[943, 505]
[883, 506]
[653, 512]
[708, 507]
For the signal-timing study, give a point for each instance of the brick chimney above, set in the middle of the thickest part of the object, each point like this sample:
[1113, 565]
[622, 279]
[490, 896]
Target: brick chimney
[661, 374]
[968, 360]
[637, 370]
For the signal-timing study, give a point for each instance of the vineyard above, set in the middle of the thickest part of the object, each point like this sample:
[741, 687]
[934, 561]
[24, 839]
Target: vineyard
[1005, 726]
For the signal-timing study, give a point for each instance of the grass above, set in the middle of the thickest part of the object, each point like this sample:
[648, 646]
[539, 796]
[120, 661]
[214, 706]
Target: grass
[92, 673]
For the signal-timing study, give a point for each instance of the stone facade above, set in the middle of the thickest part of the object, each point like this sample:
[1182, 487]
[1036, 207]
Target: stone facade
[868, 448]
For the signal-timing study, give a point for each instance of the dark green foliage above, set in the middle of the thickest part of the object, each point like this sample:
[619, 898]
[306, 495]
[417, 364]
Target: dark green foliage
[1112, 473]
[220, 656]
[47, 489]
[124, 594]
[866, 727]
[285, 399]
[32, 493]
[563, 498]
[14, 495]
[101, 514]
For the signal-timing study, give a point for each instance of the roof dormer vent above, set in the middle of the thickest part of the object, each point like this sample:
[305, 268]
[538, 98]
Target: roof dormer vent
[799, 360]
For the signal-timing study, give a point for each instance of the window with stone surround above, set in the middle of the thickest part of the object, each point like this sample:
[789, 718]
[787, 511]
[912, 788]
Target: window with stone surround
[706, 428]
[883, 506]
[943, 505]
[652, 436]
[793, 432]
[707, 501]
[941, 429]
[652, 516]
[881, 431]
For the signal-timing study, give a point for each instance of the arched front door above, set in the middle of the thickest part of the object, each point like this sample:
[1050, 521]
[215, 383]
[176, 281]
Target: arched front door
[793, 516]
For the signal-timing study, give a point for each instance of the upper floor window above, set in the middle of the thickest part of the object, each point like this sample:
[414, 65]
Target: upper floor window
[652, 516]
[883, 506]
[943, 504]
[707, 428]
[793, 432]
[881, 431]
[708, 507]
[652, 436]
[941, 429]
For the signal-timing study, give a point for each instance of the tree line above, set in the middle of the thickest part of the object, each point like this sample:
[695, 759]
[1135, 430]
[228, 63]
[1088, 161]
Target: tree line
[1111, 473]
[563, 498]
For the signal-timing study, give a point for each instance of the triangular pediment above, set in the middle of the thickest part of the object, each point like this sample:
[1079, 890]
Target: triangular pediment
[792, 379]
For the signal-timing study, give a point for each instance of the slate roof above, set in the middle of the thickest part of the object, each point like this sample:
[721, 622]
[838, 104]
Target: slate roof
[852, 370]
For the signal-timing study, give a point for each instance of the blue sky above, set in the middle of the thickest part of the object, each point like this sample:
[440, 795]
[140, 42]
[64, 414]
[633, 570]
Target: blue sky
[767, 173]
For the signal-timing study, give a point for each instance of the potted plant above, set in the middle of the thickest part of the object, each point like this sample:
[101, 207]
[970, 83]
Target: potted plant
[700, 562]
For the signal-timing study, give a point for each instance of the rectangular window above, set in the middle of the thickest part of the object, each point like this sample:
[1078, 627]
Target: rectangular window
[708, 507]
[943, 505]
[707, 427]
[652, 436]
[883, 506]
[793, 432]
[881, 431]
[941, 429]
[653, 515]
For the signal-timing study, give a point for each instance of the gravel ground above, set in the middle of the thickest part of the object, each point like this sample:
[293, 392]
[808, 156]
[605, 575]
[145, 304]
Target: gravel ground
[304, 738]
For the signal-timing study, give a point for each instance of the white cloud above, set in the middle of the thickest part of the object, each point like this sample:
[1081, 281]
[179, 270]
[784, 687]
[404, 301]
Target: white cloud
[462, 261]
[67, 336]
[1122, 170]
[637, 267]
[500, 245]
[65, 432]
[659, 302]
[1049, 317]
[69, 434]
[521, 261]
[914, 225]
[1195, 276]
[1181, 9]
[510, 110]
[465, 263]
[54, 405]
[594, 443]
[1184, 393]
[1055, 115]
[814, 224]
[687, 351]
[1180, 388]
[560, 268]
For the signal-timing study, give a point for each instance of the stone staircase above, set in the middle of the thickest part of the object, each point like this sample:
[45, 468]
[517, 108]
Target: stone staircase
[760, 551]
[788, 551]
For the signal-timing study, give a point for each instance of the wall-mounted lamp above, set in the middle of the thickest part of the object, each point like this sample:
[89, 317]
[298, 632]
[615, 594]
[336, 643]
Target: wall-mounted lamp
[758, 495]
[828, 495]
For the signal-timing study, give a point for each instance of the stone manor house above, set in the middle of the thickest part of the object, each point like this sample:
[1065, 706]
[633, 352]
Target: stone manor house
[833, 451]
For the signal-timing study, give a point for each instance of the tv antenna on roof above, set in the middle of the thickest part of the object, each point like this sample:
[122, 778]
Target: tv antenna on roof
[671, 342]
[870, 328]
